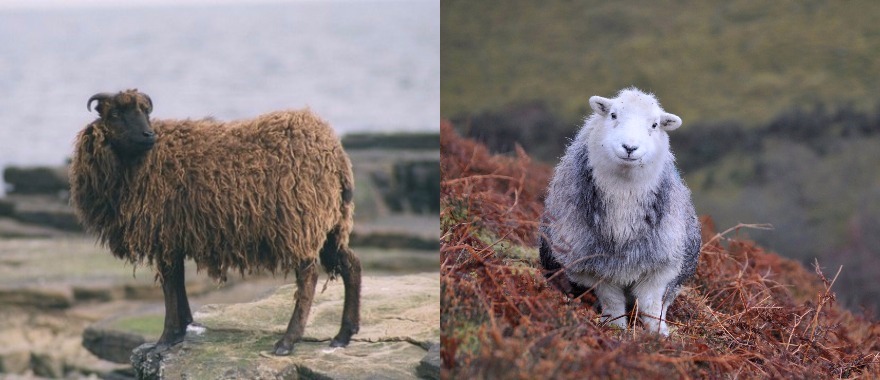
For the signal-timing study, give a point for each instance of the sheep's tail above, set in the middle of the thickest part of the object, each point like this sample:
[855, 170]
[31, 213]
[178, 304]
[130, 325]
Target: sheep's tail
[346, 180]
[336, 244]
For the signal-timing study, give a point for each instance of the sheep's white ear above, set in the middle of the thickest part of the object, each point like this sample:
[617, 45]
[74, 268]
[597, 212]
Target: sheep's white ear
[600, 105]
[669, 122]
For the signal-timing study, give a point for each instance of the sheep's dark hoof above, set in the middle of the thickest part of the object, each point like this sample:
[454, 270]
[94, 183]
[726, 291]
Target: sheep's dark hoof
[169, 340]
[161, 347]
[338, 343]
[341, 340]
[283, 348]
[344, 337]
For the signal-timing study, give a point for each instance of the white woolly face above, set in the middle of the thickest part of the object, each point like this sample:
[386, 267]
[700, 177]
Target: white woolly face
[630, 130]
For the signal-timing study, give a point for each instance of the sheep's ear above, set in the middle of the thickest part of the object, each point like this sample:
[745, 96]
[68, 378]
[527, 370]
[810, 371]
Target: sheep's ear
[600, 105]
[99, 107]
[102, 107]
[669, 122]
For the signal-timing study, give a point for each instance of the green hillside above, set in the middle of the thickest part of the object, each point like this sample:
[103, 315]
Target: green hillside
[706, 60]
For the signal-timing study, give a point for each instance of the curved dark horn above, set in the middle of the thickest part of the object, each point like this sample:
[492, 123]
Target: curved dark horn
[148, 100]
[97, 97]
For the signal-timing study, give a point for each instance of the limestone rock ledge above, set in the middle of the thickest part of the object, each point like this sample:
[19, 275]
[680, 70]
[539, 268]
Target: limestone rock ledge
[400, 321]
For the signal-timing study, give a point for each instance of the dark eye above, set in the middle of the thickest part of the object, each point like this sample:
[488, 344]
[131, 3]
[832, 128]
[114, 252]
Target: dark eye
[114, 114]
[613, 116]
[654, 126]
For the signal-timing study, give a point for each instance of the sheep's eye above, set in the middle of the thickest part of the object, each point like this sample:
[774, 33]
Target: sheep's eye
[654, 126]
[613, 116]
[114, 114]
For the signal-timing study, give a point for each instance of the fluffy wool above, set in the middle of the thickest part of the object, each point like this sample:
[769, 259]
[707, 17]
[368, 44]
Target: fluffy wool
[259, 194]
[619, 218]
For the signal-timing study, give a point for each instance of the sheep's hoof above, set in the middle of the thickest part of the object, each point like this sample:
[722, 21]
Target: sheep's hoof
[162, 347]
[167, 341]
[344, 336]
[283, 348]
[340, 340]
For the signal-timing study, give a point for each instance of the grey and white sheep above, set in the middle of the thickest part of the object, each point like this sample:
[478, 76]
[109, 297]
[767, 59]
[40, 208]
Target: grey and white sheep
[618, 217]
[272, 193]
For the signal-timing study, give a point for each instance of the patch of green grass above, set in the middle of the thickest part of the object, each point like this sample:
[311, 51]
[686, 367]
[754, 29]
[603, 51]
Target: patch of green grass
[467, 332]
[454, 212]
[147, 325]
[516, 257]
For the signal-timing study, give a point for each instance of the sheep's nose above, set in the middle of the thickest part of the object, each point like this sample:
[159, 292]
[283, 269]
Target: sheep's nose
[629, 149]
[149, 133]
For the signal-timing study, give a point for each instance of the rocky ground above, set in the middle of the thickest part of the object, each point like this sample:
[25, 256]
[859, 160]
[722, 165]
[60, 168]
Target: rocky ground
[54, 290]
[399, 324]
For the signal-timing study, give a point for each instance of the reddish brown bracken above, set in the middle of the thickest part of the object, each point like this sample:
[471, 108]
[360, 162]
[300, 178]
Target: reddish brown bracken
[748, 313]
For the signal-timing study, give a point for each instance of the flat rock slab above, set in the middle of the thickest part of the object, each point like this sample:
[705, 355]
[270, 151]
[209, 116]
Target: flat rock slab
[230, 355]
[400, 320]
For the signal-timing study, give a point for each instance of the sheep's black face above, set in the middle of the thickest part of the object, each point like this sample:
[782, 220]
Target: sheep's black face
[126, 119]
[132, 133]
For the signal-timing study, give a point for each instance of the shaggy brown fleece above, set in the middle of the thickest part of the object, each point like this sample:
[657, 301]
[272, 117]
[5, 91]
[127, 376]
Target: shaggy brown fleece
[249, 195]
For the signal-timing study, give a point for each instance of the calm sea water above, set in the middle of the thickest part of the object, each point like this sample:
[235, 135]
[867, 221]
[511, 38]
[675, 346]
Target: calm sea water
[364, 66]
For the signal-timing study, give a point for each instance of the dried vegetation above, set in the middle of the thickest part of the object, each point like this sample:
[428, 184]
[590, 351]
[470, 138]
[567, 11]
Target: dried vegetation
[748, 313]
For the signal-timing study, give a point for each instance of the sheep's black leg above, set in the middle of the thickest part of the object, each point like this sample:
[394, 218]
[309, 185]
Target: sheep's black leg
[183, 310]
[306, 281]
[172, 283]
[350, 270]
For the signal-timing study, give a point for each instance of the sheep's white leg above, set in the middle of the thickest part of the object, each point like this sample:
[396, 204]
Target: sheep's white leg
[649, 295]
[663, 313]
[613, 302]
[651, 312]
[667, 300]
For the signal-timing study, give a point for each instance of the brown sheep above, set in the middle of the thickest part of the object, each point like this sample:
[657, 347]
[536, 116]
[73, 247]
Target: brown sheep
[272, 193]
